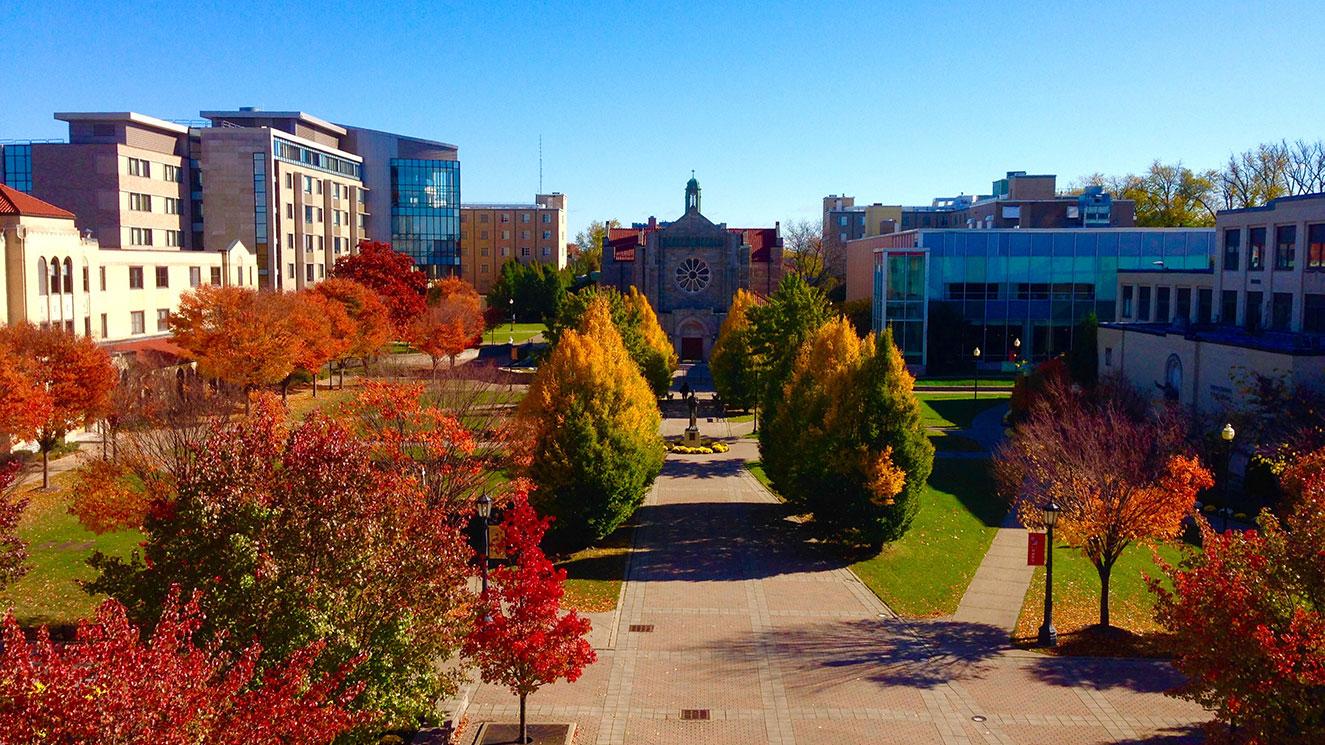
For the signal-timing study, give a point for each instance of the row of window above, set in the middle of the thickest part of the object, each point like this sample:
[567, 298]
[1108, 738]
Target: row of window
[525, 217]
[1170, 303]
[143, 203]
[506, 235]
[296, 153]
[142, 168]
[146, 237]
[1285, 248]
[308, 272]
[524, 251]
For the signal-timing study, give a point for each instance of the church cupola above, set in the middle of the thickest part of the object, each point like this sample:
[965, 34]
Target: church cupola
[692, 194]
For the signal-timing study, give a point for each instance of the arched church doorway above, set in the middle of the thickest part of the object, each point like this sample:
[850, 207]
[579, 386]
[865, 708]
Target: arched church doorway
[692, 341]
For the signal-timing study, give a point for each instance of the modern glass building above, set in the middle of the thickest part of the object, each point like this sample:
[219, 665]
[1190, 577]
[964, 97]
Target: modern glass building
[425, 212]
[991, 288]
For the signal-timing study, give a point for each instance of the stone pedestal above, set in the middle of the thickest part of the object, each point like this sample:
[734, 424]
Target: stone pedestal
[692, 438]
[494, 733]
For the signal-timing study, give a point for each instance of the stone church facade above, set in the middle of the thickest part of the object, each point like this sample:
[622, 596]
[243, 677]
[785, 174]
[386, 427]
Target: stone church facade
[690, 268]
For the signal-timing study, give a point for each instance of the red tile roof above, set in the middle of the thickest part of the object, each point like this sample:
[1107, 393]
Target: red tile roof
[624, 241]
[160, 349]
[15, 202]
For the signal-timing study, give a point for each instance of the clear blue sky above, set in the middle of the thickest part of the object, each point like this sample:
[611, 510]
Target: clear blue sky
[774, 105]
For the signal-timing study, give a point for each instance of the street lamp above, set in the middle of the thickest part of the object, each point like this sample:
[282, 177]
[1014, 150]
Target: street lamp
[1227, 434]
[511, 303]
[1048, 634]
[484, 509]
[976, 354]
[1016, 349]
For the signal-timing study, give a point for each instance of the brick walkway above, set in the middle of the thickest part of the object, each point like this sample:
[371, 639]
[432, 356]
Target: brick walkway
[781, 644]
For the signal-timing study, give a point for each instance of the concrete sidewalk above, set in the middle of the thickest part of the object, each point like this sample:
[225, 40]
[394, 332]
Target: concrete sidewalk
[998, 588]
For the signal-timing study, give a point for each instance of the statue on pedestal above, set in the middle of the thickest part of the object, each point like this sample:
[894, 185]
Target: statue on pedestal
[692, 432]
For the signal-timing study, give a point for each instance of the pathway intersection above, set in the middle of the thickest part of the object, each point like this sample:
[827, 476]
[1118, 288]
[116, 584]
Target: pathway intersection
[732, 628]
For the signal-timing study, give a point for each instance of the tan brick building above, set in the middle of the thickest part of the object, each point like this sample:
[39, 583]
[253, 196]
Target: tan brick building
[492, 234]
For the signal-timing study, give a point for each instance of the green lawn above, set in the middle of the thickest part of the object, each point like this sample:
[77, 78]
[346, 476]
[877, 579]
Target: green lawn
[58, 548]
[523, 332]
[594, 575]
[991, 383]
[948, 442]
[1077, 601]
[956, 409]
[756, 469]
[925, 573]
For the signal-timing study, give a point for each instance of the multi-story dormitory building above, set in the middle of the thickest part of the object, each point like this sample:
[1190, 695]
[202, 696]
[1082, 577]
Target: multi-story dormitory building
[297, 191]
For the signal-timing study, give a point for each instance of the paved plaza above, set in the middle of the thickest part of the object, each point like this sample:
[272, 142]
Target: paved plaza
[732, 629]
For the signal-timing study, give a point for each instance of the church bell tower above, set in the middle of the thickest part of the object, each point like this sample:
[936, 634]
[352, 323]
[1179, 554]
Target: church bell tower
[692, 194]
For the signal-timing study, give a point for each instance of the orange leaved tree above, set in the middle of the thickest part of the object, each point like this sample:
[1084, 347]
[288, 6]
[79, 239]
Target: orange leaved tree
[1117, 478]
[74, 374]
[236, 335]
[369, 320]
[322, 330]
[452, 322]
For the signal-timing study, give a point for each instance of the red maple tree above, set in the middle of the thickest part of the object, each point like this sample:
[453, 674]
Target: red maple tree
[25, 404]
[236, 335]
[452, 322]
[75, 375]
[1117, 478]
[389, 273]
[110, 687]
[521, 638]
[370, 322]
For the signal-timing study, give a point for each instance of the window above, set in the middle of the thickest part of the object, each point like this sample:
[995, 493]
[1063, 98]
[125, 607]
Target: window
[289, 240]
[1204, 305]
[319, 214]
[547, 235]
[1253, 311]
[140, 236]
[195, 276]
[505, 250]
[172, 205]
[335, 217]
[1228, 307]
[170, 173]
[140, 202]
[308, 184]
[135, 278]
[506, 235]
[546, 218]
[321, 271]
[1255, 249]
[524, 217]
[140, 167]
[505, 218]
[319, 185]
[1313, 312]
[162, 319]
[483, 251]
[101, 277]
[1143, 305]
[291, 272]
[136, 322]
[335, 190]
[1183, 306]
[1162, 304]
[1316, 247]
[1108, 356]
[1281, 311]
[87, 284]
[289, 210]
[308, 243]
[524, 250]
[1232, 248]
[174, 238]
[289, 180]
[308, 213]
[239, 276]
[842, 221]
[335, 244]
[105, 326]
[163, 276]
[1285, 247]
[216, 276]
[842, 237]
[483, 217]
[547, 251]
[308, 272]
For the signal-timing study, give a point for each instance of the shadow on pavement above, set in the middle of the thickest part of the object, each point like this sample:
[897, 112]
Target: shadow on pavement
[1139, 675]
[823, 654]
[1188, 735]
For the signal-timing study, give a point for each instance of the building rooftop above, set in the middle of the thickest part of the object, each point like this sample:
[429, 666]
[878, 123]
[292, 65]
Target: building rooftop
[15, 202]
[122, 116]
[254, 113]
[1270, 205]
[384, 133]
[1282, 342]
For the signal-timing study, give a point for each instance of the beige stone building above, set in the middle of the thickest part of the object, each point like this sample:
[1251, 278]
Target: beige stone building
[492, 234]
[55, 276]
[1194, 336]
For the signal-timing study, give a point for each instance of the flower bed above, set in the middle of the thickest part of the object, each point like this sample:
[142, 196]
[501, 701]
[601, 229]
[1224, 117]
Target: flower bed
[709, 447]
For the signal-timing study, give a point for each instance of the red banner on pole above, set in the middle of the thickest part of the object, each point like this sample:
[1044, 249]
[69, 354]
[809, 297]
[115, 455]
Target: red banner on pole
[1035, 549]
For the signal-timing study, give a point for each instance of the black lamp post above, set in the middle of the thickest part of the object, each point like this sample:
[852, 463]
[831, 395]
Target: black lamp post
[1048, 634]
[1016, 349]
[484, 509]
[511, 303]
[976, 354]
[1227, 434]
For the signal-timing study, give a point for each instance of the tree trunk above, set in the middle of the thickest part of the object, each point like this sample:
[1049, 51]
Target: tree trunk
[45, 474]
[316, 372]
[340, 373]
[285, 386]
[1104, 569]
[524, 733]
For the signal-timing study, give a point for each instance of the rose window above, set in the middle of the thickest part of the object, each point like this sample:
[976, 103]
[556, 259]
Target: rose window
[692, 275]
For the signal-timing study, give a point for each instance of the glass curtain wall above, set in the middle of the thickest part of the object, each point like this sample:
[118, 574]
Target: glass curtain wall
[425, 213]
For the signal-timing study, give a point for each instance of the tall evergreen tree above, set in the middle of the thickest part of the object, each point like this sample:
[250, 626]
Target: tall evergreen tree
[644, 339]
[590, 431]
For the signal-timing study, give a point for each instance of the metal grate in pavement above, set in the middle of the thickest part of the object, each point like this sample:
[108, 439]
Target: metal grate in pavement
[695, 714]
[641, 628]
